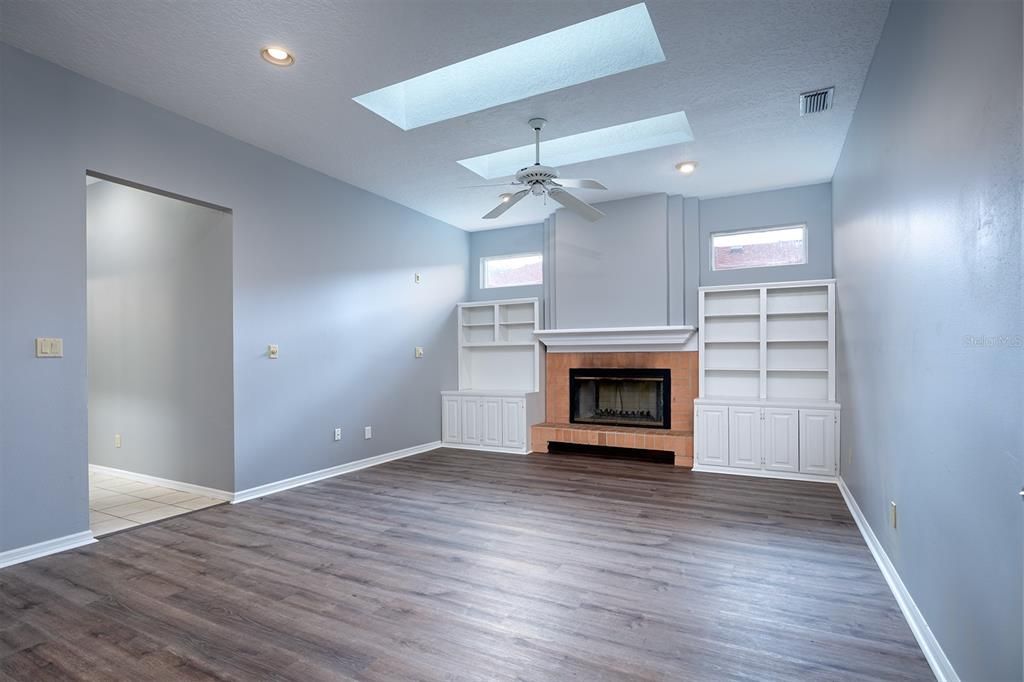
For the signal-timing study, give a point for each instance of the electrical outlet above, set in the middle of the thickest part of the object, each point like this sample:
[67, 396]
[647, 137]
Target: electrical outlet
[368, 432]
[418, 278]
[117, 440]
[337, 433]
[419, 351]
[892, 513]
[272, 351]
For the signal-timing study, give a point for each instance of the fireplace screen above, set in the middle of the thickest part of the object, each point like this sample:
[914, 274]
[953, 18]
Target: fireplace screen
[621, 397]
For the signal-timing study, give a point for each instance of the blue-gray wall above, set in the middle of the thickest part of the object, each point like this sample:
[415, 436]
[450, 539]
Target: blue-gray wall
[159, 336]
[810, 205]
[927, 214]
[503, 242]
[321, 268]
[642, 263]
[613, 272]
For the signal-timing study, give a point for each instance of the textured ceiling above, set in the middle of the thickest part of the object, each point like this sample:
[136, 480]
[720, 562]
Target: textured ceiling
[735, 67]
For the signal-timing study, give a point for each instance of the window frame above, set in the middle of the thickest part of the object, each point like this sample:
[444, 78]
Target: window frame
[484, 260]
[755, 230]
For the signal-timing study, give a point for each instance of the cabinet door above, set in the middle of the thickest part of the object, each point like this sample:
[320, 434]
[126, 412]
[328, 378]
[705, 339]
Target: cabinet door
[513, 423]
[470, 421]
[713, 436]
[491, 421]
[781, 439]
[451, 411]
[745, 437]
[818, 442]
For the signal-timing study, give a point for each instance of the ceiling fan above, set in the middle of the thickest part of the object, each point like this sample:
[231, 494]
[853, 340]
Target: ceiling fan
[543, 180]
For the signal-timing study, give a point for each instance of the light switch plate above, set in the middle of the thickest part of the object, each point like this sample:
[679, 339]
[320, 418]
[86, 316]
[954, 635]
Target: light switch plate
[49, 347]
[419, 351]
[418, 278]
[272, 351]
[367, 432]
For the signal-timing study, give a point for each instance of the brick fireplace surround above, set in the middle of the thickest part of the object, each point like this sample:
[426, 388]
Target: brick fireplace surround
[677, 440]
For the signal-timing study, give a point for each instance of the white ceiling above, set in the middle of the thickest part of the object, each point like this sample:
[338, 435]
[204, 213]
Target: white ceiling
[736, 67]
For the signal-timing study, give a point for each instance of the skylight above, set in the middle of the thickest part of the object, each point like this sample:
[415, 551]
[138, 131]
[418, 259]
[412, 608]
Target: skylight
[602, 46]
[635, 136]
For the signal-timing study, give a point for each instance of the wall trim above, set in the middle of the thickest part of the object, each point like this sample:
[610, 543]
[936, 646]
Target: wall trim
[45, 548]
[933, 652]
[314, 476]
[656, 339]
[763, 473]
[215, 493]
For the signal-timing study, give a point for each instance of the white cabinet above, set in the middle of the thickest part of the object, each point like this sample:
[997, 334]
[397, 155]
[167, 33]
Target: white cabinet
[501, 377]
[484, 421]
[745, 437]
[450, 431]
[818, 441]
[469, 425]
[490, 419]
[513, 422]
[767, 377]
[713, 436]
[781, 439]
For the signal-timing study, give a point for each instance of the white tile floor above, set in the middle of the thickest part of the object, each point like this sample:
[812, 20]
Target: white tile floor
[116, 503]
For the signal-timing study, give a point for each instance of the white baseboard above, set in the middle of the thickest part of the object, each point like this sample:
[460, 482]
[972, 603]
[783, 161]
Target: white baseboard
[41, 549]
[215, 493]
[313, 476]
[761, 473]
[940, 665]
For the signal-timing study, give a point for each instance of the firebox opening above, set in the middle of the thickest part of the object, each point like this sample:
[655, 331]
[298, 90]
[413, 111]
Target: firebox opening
[620, 397]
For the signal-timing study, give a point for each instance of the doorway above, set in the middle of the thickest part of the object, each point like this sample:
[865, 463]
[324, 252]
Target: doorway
[160, 355]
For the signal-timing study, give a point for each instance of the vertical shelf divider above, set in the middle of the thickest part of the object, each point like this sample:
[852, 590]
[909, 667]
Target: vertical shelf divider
[763, 336]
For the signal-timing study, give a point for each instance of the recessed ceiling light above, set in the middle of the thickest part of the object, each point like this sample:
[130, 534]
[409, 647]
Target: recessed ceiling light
[278, 56]
[686, 167]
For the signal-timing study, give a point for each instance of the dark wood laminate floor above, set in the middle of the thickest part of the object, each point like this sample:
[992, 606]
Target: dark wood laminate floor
[464, 566]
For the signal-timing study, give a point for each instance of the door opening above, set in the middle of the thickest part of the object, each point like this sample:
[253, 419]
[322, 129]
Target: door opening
[160, 354]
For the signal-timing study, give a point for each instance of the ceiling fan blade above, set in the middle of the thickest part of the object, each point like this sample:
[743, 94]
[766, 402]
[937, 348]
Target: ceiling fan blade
[506, 205]
[574, 204]
[580, 184]
[496, 184]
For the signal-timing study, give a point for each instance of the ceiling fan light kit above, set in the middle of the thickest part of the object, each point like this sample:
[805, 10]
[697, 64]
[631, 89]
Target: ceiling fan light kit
[541, 180]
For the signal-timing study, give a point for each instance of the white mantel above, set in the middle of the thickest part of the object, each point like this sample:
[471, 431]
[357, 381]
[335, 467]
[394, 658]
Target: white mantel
[619, 339]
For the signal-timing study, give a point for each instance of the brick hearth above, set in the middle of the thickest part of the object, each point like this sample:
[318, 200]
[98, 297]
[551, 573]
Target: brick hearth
[678, 439]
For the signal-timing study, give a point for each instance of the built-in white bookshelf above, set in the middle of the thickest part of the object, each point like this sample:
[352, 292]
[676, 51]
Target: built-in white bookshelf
[501, 377]
[767, 390]
[768, 342]
[497, 348]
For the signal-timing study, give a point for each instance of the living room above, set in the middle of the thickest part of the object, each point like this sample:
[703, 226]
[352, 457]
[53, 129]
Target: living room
[433, 340]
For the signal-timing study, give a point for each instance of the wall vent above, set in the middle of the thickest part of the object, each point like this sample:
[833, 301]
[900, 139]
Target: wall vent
[816, 101]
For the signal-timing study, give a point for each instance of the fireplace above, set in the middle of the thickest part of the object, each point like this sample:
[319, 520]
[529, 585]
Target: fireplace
[621, 397]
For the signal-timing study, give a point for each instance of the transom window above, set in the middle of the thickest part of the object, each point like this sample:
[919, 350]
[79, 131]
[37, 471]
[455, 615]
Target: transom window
[763, 248]
[518, 270]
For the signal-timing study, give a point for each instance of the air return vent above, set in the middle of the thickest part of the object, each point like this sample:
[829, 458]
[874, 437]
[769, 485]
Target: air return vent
[816, 101]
